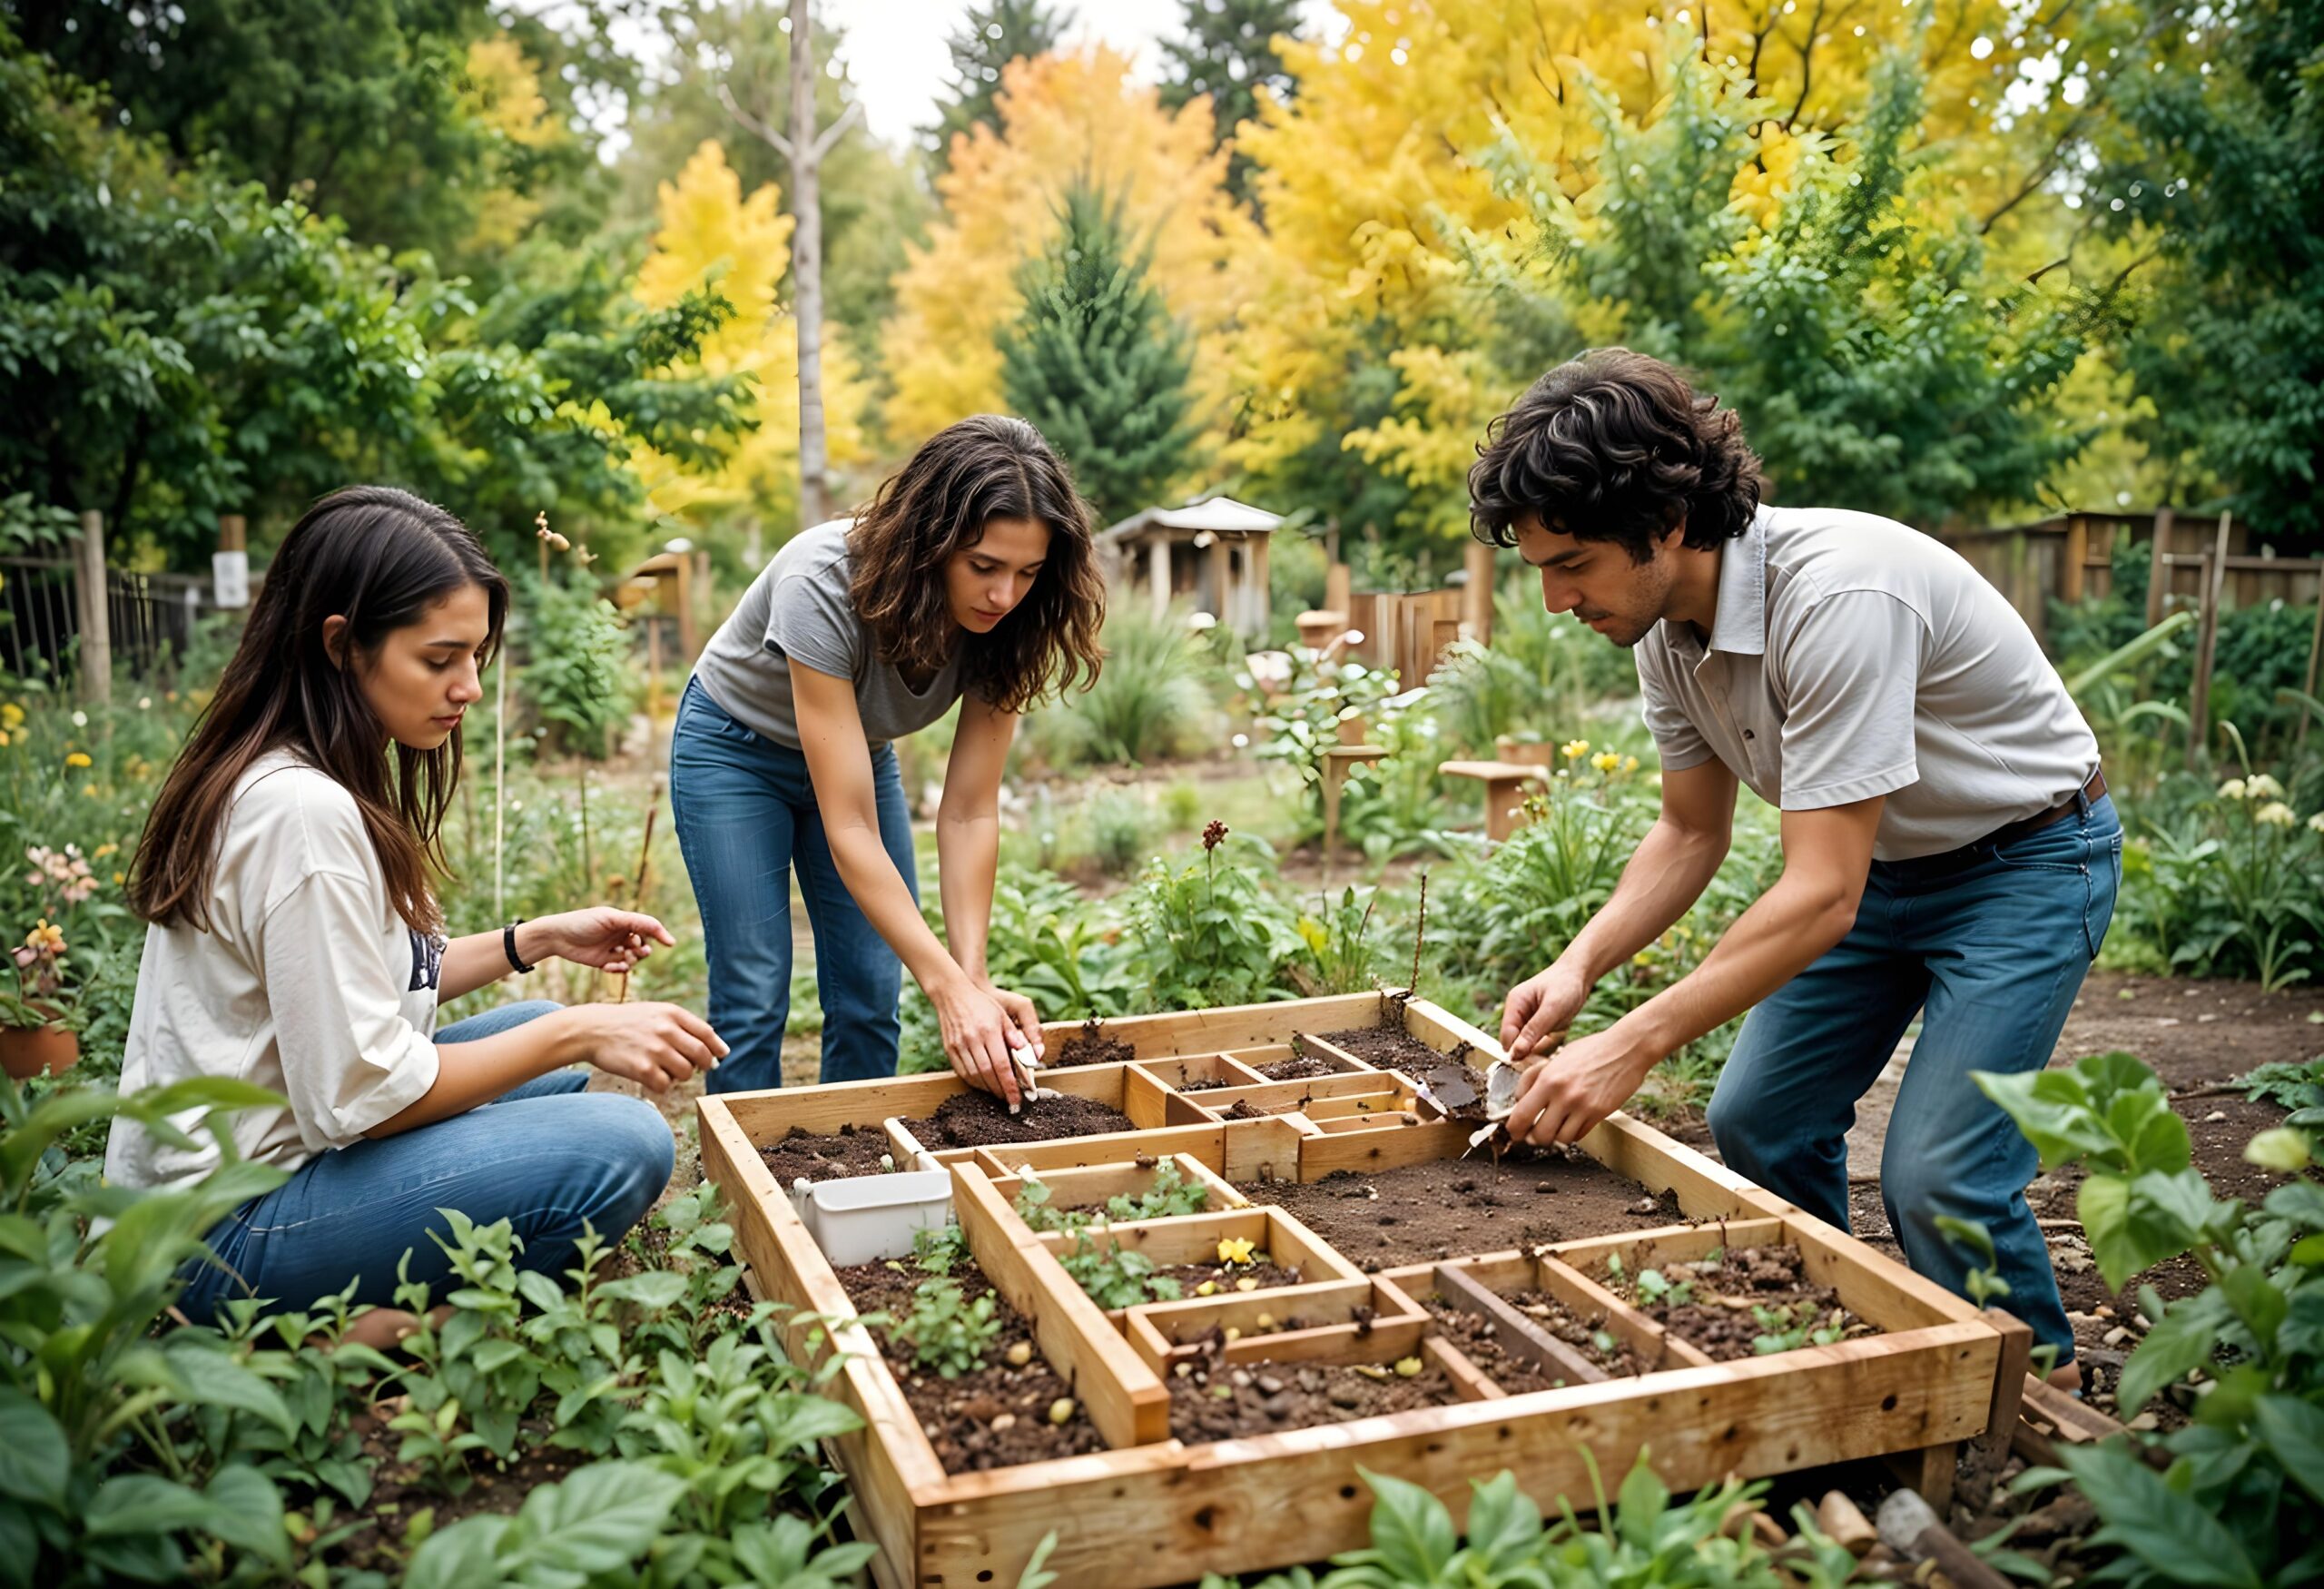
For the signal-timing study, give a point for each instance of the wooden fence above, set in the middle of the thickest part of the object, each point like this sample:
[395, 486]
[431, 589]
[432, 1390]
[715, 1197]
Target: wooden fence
[49, 626]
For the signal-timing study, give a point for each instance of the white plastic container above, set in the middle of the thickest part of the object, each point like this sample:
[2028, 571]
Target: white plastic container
[862, 1219]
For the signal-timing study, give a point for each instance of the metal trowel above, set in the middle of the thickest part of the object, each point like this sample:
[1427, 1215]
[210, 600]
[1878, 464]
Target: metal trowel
[1503, 1082]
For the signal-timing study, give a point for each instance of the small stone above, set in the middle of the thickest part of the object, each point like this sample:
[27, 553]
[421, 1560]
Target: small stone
[1345, 1396]
[1231, 1335]
[1004, 1423]
[1207, 1289]
[1544, 1186]
[2117, 1336]
[1370, 1371]
[1184, 1370]
[1247, 1283]
[1646, 1205]
[1021, 1353]
[2215, 1116]
[2138, 1322]
[2101, 1311]
[1264, 1321]
[1269, 1384]
[1061, 1410]
[1240, 1379]
[1408, 1367]
[2143, 1422]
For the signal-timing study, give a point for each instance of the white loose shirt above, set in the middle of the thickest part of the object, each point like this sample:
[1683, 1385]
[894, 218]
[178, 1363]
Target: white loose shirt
[306, 981]
[1851, 656]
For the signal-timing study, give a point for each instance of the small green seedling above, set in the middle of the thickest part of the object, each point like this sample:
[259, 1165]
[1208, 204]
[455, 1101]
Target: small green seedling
[1170, 1196]
[1119, 1278]
[946, 1334]
[1654, 1287]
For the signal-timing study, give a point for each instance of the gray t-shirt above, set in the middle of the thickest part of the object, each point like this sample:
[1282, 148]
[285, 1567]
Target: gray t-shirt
[1852, 656]
[799, 609]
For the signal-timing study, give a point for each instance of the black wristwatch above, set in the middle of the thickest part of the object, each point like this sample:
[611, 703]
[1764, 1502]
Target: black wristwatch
[508, 944]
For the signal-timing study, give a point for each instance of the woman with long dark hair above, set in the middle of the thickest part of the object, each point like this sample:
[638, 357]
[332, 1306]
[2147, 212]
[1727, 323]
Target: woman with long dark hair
[971, 577]
[295, 941]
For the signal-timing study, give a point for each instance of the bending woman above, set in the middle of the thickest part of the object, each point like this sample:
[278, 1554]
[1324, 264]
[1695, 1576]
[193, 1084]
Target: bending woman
[971, 578]
[295, 942]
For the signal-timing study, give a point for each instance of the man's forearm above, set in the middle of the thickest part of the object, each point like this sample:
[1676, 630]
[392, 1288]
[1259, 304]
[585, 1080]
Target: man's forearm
[1790, 927]
[1669, 873]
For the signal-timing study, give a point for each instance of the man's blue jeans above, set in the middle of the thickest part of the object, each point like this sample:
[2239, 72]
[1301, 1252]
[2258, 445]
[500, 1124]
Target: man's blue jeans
[1995, 951]
[547, 1155]
[746, 813]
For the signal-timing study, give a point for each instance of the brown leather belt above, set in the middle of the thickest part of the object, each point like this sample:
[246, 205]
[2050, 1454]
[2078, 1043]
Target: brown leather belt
[1948, 861]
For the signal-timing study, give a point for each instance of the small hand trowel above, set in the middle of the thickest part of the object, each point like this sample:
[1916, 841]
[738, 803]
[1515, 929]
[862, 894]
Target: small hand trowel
[1503, 1082]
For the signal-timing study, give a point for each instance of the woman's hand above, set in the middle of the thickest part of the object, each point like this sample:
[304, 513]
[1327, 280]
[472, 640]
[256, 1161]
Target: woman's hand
[1022, 1014]
[653, 1045]
[601, 936]
[980, 1031]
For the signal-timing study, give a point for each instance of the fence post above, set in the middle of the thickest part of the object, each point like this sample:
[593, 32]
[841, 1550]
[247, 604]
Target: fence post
[1476, 597]
[230, 566]
[2158, 566]
[2315, 649]
[2077, 557]
[2214, 573]
[96, 619]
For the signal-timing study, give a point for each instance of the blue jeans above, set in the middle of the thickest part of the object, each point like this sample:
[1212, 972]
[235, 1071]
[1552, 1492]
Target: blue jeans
[746, 813]
[547, 1156]
[1995, 951]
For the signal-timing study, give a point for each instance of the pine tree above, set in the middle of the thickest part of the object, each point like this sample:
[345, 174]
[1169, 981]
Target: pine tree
[1097, 362]
[992, 35]
[1228, 50]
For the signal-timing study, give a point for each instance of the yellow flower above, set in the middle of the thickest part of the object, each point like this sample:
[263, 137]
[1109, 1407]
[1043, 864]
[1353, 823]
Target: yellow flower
[1573, 750]
[1234, 1249]
[49, 939]
[79, 758]
[3, 736]
[1605, 761]
[119, 878]
[103, 850]
[1629, 763]
[11, 716]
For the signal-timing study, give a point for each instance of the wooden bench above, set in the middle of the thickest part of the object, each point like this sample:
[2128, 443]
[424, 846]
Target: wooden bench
[1505, 791]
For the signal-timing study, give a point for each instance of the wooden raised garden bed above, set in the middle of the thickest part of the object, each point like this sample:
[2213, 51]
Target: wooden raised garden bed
[1395, 1285]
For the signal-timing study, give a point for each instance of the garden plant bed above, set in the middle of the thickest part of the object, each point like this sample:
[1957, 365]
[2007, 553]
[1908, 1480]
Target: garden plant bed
[995, 1417]
[1734, 1303]
[1390, 1048]
[852, 1150]
[970, 1119]
[1170, 1481]
[1092, 1046]
[1481, 1339]
[1299, 1068]
[1213, 1399]
[1446, 1205]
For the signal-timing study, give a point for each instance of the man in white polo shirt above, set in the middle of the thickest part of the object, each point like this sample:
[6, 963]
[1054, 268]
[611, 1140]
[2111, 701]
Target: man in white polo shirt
[1949, 850]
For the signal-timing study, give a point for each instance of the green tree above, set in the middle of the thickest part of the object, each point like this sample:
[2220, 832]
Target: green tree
[2214, 163]
[993, 34]
[1097, 362]
[1227, 52]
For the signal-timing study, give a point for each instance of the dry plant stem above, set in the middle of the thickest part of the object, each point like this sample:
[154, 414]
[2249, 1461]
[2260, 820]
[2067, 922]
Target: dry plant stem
[1420, 936]
[637, 890]
[500, 784]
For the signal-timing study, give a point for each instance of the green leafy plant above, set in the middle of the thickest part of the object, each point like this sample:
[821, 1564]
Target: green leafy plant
[2230, 1508]
[577, 665]
[939, 1250]
[948, 1334]
[1033, 1208]
[1169, 1195]
[2296, 1086]
[1787, 1328]
[1118, 1276]
[1644, 1539]
[1209, 932]
[1655, 1287]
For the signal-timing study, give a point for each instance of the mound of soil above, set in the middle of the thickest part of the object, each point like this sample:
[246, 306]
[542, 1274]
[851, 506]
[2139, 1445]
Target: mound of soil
[1212, 1085]
[1298, 1068]
[1210, 1400]
[993, 1416]
[1389, 1047]
[1092, 1046]
[1242, 1109]
[1447, 1208]
[976, 1118]
[1718, 1318]
[854, 1150]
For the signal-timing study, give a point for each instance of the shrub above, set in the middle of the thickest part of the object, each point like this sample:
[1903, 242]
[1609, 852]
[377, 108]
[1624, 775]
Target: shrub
[577, 669]
[2232, 887]
[1150, 701]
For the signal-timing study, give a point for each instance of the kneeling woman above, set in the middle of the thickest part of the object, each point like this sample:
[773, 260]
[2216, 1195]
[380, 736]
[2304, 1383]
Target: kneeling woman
[971, 578]
[295, 942]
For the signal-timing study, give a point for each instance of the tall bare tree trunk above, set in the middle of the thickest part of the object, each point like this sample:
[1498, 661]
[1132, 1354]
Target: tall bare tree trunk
[804, 148]
[807, 261]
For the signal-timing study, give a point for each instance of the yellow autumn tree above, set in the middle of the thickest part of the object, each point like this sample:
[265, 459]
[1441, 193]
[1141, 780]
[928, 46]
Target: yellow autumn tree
[1434, 131]
[709, 235]
[1063, 118]
[501, 91]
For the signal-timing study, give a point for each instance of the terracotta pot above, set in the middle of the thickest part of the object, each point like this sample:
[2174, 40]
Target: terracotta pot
[38, 1051]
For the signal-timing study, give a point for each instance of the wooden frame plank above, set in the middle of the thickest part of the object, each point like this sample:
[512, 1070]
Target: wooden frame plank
[1387, 1147]
[1471, 1381]
[1228, 1027]
[1127, 1402]
[1585, 1297]
[1518, 1334]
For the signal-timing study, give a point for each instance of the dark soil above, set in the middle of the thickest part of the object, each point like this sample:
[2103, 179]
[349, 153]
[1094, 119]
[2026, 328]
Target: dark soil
[1092, 1046]
[1242, 1109]
[1298, 1068]
[1479, 1339]
[993, 1416]
[1230, 1278]
[970, 1119]
[1389, 1047]
[1210, 1086]
[1211, 1400]
[1449, 1208]
[1718, 1318]
[854, 1150]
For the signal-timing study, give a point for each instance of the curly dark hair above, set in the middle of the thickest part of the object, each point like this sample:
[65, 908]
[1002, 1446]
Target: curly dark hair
[1615, 446]
[968, 474]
